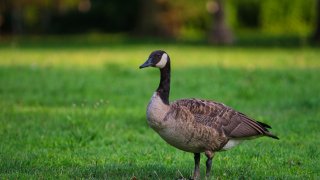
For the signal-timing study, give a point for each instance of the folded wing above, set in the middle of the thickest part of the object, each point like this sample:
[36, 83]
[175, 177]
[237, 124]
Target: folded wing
[224, 119]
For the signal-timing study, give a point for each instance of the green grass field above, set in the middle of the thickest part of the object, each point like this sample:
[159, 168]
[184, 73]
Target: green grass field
[69, 111]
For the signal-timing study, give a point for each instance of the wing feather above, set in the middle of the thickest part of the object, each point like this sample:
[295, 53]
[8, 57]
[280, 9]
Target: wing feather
[224, 119]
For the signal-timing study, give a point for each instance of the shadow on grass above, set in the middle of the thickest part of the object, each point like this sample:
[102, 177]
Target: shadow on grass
[76, 171]
[125, 171]
[128, 171]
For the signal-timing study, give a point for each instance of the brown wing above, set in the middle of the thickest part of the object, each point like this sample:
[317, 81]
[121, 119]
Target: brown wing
[224, 119]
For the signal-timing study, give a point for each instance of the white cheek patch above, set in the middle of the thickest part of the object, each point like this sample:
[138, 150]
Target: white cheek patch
[163, 61]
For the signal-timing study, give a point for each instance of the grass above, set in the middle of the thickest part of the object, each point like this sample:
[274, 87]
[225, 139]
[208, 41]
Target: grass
[74, 111]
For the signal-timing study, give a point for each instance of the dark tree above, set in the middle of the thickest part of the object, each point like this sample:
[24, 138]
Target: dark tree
[17, 23]
[316, 36]
[158, 18]
[219, 33]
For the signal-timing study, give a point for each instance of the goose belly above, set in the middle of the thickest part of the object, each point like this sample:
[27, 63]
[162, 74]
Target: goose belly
[232, 143]
[181, 140]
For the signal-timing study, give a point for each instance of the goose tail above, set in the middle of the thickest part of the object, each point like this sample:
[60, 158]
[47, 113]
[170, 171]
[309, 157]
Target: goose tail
[266, 131]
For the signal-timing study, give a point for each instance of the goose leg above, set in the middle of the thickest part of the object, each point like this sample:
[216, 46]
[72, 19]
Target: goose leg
[209, 155]
[196, 173]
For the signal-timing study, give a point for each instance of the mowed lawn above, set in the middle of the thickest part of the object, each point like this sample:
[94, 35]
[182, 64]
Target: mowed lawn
[79, 112]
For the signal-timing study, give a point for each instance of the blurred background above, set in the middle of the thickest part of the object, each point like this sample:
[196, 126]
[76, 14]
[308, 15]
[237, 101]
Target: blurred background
[213, 21]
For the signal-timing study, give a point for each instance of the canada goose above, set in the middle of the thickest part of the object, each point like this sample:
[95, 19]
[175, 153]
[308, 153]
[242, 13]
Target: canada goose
[195, 125]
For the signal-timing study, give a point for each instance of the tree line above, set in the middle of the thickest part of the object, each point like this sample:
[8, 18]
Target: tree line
[172, 19]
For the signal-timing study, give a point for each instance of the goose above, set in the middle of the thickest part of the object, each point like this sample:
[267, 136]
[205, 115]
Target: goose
[196, 125]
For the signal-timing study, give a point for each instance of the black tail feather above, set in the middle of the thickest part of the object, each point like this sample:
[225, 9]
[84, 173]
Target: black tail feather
[267, 133]
[264, 125]
[271, 135]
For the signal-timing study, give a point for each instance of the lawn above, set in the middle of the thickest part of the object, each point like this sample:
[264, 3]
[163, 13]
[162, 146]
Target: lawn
[78, 111]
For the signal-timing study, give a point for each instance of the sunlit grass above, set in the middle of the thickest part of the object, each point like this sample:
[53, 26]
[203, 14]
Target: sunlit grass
[182, 56]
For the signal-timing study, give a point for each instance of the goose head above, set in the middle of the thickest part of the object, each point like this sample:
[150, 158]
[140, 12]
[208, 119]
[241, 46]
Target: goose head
[157, 59]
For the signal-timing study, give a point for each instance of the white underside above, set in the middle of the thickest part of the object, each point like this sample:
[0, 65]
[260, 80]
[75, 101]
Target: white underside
[231, 143]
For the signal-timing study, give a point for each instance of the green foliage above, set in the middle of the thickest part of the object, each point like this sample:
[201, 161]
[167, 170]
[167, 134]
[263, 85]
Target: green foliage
[288, 16]
[285, 17]
[194, 16]
[78, 112]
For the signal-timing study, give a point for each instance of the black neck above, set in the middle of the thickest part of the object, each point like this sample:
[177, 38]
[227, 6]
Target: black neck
[164, 86]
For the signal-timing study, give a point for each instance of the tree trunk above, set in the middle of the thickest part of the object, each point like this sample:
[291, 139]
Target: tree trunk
[219, 33]
[45, 19]
[17, 18]
[158, 18]
[316, 36]
[147, 17]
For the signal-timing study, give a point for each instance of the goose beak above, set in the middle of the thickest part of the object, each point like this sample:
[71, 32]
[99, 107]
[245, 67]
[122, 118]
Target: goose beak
[148, 63]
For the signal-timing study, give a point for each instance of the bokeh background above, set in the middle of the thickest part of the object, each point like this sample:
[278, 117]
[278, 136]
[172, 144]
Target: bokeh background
[73, 101]
[215, 21]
